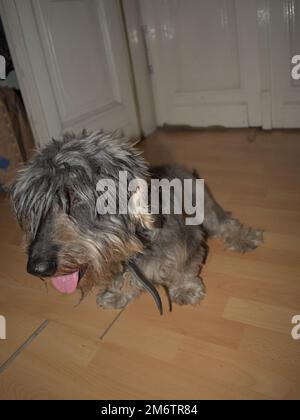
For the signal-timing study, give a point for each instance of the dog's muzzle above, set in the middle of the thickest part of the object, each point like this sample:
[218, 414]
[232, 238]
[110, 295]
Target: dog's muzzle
[63, 282]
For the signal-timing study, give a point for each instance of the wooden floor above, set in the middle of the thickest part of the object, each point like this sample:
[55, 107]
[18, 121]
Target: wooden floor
[236, 344]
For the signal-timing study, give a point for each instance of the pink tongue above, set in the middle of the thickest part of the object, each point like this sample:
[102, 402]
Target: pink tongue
[66, 284]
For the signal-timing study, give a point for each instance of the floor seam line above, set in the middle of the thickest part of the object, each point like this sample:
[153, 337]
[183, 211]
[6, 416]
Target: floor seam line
[108, 328]
[24, 345]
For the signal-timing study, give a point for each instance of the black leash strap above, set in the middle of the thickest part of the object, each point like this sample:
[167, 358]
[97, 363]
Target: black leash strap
[146, 284]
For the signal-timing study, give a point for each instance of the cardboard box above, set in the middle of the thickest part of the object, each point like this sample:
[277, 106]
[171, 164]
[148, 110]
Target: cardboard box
[16, 139]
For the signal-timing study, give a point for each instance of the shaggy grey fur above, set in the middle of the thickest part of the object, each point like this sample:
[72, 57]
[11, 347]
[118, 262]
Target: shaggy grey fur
[54, 199]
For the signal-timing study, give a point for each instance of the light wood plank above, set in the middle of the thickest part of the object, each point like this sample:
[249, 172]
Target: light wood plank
[261, 315]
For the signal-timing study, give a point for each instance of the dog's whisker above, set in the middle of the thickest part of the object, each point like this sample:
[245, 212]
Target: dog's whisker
[82, 295]
[45, 284]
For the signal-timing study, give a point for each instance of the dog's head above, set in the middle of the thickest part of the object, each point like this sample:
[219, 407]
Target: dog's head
[55, 200]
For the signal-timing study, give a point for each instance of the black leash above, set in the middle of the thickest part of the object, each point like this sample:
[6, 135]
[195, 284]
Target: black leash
[146, 284]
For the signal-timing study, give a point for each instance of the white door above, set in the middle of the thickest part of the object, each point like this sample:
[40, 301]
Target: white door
[285, 43]
[79, 61]
[205, 59]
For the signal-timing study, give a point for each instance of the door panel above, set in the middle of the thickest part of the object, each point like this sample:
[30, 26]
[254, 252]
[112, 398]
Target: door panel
[193, 31]
[285, 36]
[205, 61]
[78, 52]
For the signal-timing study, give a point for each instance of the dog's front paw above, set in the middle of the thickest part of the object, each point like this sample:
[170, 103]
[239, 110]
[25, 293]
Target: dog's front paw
[189, 294]
[112, 300]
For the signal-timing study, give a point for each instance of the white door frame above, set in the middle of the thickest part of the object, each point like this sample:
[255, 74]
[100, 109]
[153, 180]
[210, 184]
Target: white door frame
[26, 78]
[263, 23]
[140, 65]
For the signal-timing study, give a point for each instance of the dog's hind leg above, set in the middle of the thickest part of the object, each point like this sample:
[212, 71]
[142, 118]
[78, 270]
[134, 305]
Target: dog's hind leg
[219, 224]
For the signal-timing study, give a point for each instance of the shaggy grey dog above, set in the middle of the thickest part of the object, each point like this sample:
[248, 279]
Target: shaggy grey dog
[54, 199]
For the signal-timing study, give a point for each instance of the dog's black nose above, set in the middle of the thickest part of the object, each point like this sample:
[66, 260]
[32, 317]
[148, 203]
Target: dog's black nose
[42, 268]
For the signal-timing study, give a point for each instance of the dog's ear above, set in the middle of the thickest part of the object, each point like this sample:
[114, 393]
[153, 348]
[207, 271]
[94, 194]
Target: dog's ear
[112, 154]
[138, 205]
[146, 211]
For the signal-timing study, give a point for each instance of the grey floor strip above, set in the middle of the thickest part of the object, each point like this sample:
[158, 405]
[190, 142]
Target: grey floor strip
[111, 324]
[26, 343]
